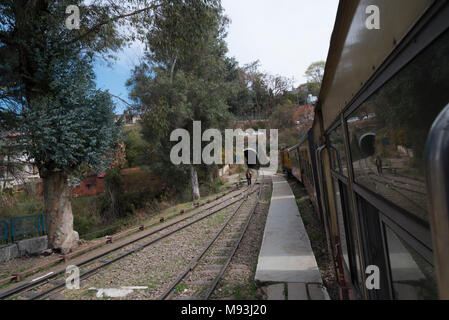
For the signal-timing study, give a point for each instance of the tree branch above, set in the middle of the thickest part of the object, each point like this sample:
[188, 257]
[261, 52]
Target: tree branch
[102, 23]
[122, 100]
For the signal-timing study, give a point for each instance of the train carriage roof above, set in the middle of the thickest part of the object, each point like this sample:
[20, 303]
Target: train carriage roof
[356, 52]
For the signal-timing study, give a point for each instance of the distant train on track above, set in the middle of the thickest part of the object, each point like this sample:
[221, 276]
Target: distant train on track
[376, 161]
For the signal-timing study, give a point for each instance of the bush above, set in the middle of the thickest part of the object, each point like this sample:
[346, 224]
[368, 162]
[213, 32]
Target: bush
[140, 186]
[20, 203]
[82, 224]
[113, 205]
[86, 213]
[136, 147]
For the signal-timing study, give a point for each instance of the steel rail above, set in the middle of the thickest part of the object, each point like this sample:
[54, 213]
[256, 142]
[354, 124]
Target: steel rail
[109, 239]
[129, 252]
[34, 283]
[234, 250]
[195, 261]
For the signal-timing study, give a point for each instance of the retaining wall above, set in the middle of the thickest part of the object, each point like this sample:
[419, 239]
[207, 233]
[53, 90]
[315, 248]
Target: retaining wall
[22, 248]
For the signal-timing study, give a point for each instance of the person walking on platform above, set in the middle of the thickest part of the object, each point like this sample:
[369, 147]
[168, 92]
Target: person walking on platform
[248, 176]
[379, 165]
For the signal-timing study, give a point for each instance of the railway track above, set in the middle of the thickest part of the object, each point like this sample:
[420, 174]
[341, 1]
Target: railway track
[396, 183]
[200, 268]
[52, 280]
[109, 239]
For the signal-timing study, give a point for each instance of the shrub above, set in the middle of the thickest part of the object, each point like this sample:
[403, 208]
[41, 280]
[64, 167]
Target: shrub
[20, 203]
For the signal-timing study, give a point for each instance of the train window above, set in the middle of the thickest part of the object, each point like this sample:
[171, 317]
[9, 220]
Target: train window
[413, 278]
[338, 153]
[388, 132]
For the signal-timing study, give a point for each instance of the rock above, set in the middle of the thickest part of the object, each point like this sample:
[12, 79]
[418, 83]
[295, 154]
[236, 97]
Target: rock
[70, 243]
[47, 252]
[33, 245]
[8, 252]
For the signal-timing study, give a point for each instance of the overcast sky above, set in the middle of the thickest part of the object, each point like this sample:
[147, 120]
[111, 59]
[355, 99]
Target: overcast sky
[286, 36]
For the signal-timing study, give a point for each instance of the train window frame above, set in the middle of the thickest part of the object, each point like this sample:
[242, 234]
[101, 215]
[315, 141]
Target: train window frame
[408, 239]
[419, 229]
[415, 244]
[343, 162]
[338, 176]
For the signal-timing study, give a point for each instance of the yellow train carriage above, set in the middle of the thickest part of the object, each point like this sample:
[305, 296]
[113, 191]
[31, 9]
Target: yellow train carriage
[286, 163]
[293, 153]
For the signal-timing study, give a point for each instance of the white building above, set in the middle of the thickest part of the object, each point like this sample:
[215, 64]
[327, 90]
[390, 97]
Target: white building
[15, 167]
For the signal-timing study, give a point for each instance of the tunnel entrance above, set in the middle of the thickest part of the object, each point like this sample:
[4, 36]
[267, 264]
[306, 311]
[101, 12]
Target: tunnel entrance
[367, 144]
[251, 158]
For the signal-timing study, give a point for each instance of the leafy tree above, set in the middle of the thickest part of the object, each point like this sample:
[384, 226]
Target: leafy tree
[185, 77]
[314, 75]
[48, 94]
[136, 147]
[241, 100]
[283, 117]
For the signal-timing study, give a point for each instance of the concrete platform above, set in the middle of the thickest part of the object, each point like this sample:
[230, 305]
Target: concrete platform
[286, 255]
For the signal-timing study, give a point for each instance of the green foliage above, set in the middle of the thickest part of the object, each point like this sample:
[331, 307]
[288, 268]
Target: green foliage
[19, 204]
[263, 92]
[127, 192]
[136, 148]
[282, 117]
[186, 77]
[72, 126]
[314, 75]
[114, 203]
[46, 82]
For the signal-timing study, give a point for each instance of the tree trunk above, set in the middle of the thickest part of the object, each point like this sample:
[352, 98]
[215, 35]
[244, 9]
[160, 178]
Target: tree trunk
[172, 71]
[195, 184]
[58, 213]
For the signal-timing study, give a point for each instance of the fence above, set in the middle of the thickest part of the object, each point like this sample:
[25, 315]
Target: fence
[3, 231]
[20, 227]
